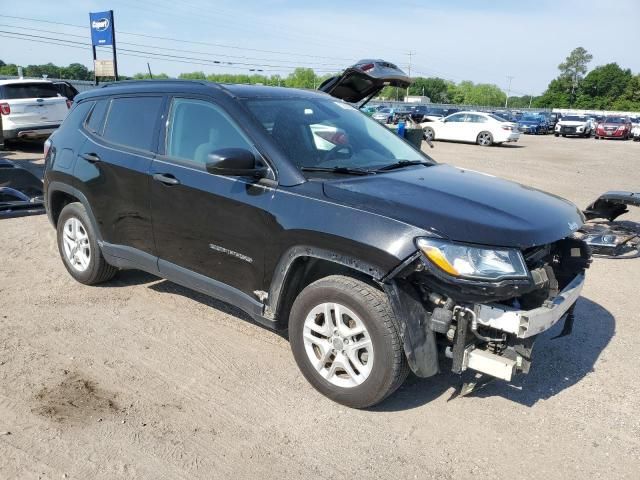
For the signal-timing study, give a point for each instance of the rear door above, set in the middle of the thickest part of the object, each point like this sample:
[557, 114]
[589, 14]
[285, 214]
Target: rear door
[113, 169]
[212, 225]
[34, 103]
[474, 124]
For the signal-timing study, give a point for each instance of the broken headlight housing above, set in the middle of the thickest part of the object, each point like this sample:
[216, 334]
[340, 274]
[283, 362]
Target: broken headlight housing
[473, 262]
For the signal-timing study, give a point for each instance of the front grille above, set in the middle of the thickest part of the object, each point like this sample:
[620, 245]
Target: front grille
[568, 129]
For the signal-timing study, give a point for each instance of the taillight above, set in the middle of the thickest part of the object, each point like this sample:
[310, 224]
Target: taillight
[69, 103]
[507, 127]
[5, 108]
[366, 67]
[47, 147]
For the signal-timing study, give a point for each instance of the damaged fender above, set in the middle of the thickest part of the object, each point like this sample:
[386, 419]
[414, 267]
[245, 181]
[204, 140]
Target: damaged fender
[413, 326]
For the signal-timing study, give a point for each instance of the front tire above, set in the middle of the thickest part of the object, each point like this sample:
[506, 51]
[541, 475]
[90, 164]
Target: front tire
[429, 134]
[78, 247]
[344, 339]
[484, 139]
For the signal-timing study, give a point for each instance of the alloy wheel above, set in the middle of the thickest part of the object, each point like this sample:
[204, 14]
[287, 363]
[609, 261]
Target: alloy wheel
[338, 345]
[484, 139]
[75, 243]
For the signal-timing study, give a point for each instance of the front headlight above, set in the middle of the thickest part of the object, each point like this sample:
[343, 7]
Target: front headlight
[473, 262]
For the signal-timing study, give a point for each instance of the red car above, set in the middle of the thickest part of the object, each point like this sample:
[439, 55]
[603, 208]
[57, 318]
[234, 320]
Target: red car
[614, 127]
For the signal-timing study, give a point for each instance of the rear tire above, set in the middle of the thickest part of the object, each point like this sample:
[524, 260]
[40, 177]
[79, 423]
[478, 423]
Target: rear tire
[78, 247]
[359, 315]
[484, 139]
[556, 134]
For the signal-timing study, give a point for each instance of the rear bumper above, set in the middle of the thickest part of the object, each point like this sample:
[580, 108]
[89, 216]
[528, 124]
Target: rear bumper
[30, 131]
[514, 136]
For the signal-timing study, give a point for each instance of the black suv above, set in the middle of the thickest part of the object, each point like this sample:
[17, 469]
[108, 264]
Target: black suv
[308, 215]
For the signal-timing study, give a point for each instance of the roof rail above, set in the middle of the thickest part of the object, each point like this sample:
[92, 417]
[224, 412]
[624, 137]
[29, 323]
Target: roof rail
[150, 81]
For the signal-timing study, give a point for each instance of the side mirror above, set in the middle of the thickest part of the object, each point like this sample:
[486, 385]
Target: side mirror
[234, 162]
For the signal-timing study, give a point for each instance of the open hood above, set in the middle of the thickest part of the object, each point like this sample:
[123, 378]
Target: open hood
[365, 79]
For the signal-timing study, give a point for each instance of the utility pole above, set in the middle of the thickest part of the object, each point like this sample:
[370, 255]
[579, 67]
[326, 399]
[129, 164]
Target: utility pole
[410, 54]
[506, 102]
[149, 67]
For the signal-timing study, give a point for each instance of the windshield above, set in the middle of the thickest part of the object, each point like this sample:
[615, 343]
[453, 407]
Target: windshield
[325, 133]
[531, 118]
[614, 120]
[574, 118]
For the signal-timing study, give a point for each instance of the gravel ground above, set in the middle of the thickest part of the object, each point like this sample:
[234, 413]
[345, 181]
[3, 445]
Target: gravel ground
[141, 378]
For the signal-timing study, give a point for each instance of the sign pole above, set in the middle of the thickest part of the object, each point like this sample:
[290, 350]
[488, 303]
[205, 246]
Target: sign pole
[115, 58]
[95, 74]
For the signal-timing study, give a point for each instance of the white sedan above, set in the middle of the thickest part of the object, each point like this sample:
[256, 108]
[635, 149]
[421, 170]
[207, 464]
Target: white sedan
[482, 128]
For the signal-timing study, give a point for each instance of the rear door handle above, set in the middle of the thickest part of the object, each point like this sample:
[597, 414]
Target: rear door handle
[166, 178]
[91, 157]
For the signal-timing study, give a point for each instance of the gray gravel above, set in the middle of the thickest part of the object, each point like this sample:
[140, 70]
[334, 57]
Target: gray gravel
[141, 378]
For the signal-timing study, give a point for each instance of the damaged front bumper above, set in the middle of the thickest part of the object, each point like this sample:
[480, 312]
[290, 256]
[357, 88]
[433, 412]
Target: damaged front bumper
[486, 327]
[527, 323]
[521, 325]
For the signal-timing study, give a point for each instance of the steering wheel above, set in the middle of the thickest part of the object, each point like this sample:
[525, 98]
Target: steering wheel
[335, 150]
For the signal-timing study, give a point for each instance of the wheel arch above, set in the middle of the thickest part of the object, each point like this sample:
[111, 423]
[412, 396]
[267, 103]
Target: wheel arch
[302, 265]
[61, 194]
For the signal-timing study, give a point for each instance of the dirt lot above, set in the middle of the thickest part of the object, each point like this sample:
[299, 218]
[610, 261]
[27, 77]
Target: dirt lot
[141, 378]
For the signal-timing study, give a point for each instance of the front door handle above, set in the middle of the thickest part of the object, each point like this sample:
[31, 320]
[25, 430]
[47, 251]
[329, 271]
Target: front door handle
[166, 178]
[91, 157]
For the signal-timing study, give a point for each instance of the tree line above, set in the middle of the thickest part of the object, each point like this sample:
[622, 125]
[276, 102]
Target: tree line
[607, 86]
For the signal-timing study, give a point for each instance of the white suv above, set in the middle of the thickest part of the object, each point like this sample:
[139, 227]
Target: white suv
[31, 108]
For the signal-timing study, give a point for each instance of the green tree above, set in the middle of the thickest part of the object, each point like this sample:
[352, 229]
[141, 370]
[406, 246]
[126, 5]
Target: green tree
[603, 86]
[573, 69]
[9, 69]
[193, 76]
[302, 78]
[76, 71]
[434, 88]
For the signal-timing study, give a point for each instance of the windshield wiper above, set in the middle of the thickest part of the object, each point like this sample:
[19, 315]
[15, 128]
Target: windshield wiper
[343, 170]
[402, 164]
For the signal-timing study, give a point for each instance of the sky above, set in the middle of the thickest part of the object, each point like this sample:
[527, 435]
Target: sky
[484, 41]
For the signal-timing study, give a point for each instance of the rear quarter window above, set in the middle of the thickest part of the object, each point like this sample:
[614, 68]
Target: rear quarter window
[132, 121]
[17, 91]
[95, 122]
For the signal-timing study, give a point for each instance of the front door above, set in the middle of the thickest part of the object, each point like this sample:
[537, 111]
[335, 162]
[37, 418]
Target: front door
[452, 127]
[212, 225]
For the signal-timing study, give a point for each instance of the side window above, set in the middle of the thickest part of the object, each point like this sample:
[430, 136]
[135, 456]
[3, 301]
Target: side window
[96, 118]
[131, 121]
[476, 119]
[197, 128]
[78, 113]
[456, 118]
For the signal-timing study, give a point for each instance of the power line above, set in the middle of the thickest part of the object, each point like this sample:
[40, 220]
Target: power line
[158, 55]
[295, 64]
[144, 54]
[84, 27]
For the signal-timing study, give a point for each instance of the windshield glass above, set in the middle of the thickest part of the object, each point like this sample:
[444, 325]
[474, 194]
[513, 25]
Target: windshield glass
[574, 118]
[531, 118]
[614, 120]
[325, 133]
